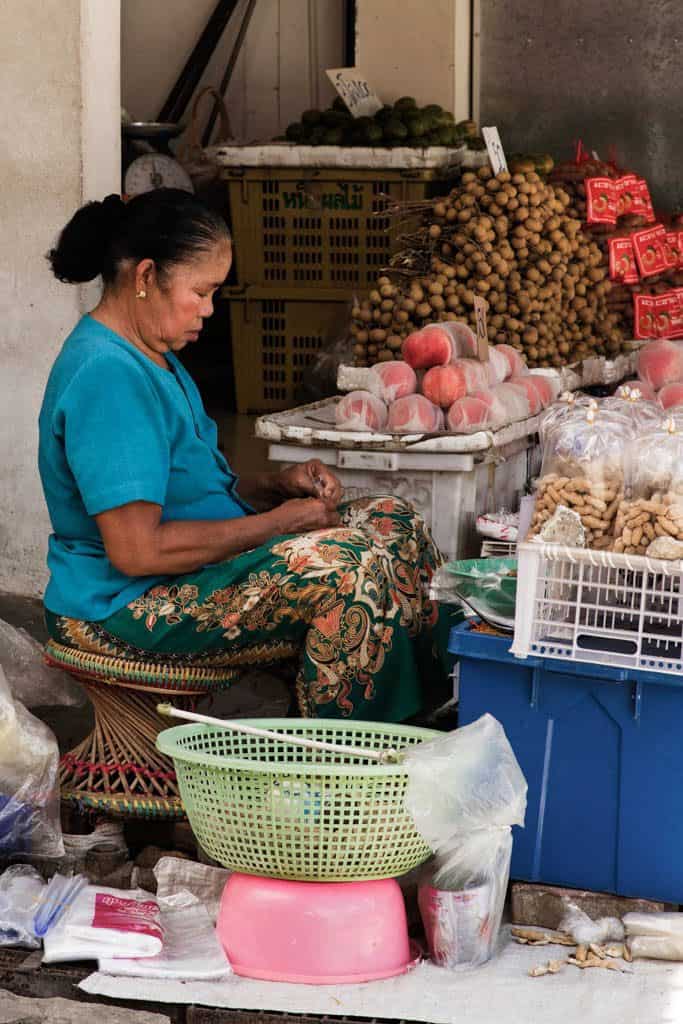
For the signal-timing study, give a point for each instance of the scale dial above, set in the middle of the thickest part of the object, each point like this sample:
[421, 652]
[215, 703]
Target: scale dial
[155, 170]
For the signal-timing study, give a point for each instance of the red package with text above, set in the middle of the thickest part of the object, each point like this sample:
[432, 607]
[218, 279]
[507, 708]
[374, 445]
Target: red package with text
[673, 251]
[627, 190]
[680, 250]
[646, 208]
[601, 201]
[123, 915]
[669, 314]
[644, 316]
[650, 249]
[622, 261]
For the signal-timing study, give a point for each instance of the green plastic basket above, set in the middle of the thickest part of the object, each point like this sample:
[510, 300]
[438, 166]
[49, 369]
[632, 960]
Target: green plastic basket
[266, 808]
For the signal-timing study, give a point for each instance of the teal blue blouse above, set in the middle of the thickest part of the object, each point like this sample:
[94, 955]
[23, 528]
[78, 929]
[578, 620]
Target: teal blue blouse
[115, 428]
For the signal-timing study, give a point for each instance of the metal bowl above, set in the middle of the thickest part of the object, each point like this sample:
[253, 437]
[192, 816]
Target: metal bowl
[152, 129]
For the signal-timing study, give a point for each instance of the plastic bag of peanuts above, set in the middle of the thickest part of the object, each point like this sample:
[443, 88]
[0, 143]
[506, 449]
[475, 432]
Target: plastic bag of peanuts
[653, 504]
[583, 470]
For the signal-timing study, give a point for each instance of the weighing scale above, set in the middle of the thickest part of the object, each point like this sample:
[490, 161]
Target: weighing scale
[147, 160]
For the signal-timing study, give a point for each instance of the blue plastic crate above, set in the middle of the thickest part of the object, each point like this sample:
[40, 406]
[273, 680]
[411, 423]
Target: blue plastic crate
[602, 752]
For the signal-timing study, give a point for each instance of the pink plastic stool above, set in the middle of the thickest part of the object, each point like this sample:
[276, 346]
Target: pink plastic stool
[314, 933]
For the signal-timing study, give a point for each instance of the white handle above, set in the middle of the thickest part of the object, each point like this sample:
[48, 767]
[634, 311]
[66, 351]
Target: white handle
[389, 756]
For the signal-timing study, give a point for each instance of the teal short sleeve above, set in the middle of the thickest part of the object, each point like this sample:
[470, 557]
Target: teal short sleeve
[115, 437]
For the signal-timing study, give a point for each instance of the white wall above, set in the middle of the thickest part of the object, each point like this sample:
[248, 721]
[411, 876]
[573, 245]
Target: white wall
[59, 144]
[279, 74]
[417, 48]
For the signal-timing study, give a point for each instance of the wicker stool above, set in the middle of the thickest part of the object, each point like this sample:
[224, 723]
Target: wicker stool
[117, 769]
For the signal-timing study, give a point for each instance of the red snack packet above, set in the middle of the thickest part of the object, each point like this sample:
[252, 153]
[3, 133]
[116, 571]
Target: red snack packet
[644, 316]
[628, 193]
[646, 208]
[622, 261]
[673, 252]
[668, 314]
[601, 201]
[650, 249]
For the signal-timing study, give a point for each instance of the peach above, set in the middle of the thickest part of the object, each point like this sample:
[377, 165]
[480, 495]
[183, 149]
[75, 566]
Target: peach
[428, 347]
[468, 414]
[362, 411]
[515, 360]
[443, 384]
[414, 414]
[671, 396]
[660, 362]
[396, 380]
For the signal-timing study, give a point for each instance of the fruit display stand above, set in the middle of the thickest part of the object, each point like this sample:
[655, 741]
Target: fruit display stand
[450, 479]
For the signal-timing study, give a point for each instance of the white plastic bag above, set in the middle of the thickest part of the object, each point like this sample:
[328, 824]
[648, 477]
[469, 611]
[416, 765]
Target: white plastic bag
[465, 791]
[30, 679]
[191, 952]
[105, 922]
[29, 787]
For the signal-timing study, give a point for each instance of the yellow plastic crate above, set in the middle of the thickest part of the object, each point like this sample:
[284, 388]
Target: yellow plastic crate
[275, 335]
[295, 227]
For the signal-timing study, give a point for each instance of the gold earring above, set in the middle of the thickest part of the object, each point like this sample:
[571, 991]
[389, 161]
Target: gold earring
[142, 294]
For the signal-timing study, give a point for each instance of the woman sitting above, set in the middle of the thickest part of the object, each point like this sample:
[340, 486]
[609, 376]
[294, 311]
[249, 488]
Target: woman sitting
[159, 550]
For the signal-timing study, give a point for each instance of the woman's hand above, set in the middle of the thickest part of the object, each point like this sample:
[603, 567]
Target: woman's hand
[299, 515]
[311, 478]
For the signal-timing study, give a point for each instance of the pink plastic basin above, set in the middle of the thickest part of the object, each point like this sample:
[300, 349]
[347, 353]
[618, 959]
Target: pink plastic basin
[314, 933]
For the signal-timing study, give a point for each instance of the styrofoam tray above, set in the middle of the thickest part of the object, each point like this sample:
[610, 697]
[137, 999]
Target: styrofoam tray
[288, 154]
[314, 424]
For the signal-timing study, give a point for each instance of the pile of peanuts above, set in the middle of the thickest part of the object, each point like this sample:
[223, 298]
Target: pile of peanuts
[596, 500]
[639, 522]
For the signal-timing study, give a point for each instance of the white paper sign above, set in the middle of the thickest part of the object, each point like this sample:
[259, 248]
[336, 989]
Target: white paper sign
[353, 87]
[495, 149]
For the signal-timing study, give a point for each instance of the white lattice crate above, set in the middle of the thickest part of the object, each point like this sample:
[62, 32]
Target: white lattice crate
[498, 549]
[625, 611]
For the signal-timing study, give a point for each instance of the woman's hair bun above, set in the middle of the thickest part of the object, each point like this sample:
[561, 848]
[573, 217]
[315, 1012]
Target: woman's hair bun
[83, 245]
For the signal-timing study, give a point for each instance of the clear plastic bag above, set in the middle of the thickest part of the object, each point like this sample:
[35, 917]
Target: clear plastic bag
[29, 678]
[29, 787]
[21, 890]
[660, 362]
[653, 505]
[414, 414]
[388, 381]
[468, 415]
[583, 470]
[465, 791]
[361, 411]
[568, 403]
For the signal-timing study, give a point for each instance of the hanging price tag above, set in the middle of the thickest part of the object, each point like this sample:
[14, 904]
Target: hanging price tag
[481, 329]
[495, 150]
[352, 85]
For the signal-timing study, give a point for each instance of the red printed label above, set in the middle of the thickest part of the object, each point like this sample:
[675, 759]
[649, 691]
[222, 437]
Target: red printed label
[627, 194]
[673, 252]
[622, 261]
[124, 915]
[667, 315]
[646, 209]
[650, 249]
[601, 201]
[644, 316]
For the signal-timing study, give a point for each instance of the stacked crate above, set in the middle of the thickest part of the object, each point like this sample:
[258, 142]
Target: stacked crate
[306, 240]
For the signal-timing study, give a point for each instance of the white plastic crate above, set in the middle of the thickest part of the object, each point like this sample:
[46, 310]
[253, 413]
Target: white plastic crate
[498, 549]
[625, 611]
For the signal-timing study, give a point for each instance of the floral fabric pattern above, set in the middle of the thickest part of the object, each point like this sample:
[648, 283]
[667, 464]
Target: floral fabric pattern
[352, 602]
